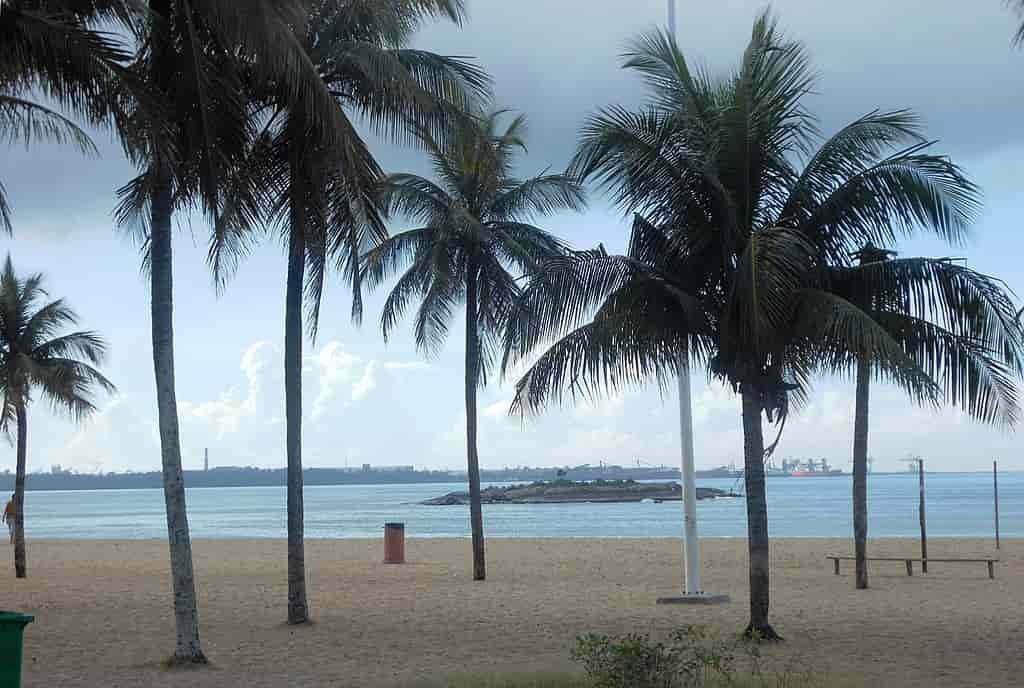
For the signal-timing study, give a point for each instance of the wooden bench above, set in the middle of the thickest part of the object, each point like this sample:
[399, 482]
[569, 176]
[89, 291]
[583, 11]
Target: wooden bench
[910, 566]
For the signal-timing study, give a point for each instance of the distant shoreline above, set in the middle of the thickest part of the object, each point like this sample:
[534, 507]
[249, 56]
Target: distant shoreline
[910, 540]
[333, 477]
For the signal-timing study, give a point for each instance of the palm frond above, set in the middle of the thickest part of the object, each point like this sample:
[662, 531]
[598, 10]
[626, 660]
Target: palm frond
[972, 375]
[1018, 7]
[894, 197]
[25, 121]
[849, 152]
[568, 290]
[58, 50]
[773, 266]
[415, 281]
[476, 232]
[613, 352]
[5, 211]
[412, 196]
[539, 196]
[835, 328]
[38, 358]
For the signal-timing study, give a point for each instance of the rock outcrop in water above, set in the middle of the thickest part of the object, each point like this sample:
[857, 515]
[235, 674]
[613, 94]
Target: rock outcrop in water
[567, 492]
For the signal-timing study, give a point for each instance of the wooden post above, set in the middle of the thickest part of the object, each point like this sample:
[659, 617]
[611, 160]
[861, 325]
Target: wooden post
[995, 496]
[910, 567]
[991, 570]
[920, 511]
[837, 565]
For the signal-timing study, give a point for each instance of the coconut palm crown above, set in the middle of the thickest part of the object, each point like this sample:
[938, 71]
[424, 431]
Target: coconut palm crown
[41, 360]
[743, 216]
[473, 242]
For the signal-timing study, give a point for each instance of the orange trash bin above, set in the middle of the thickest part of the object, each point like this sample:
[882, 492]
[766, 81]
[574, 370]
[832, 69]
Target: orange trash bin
[394, 543]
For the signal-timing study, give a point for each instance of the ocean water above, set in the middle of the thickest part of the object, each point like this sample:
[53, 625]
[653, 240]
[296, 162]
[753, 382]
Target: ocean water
[958, 505]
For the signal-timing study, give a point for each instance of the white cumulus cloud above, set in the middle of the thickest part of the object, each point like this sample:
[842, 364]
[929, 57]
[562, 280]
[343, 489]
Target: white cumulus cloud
[227, 413]
[366, 383]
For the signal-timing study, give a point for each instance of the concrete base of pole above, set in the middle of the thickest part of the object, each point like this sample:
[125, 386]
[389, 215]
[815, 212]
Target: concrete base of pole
[695, 598]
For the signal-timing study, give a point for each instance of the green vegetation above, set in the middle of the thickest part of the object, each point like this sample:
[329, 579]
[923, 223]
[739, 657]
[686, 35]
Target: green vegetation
[325, 204]
[474, 240]
[39, 359]
[759, 249]
[743, 257]
[688, 658]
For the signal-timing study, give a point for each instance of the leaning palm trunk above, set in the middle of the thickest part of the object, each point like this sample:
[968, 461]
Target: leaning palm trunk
[298, 610]
[472, 459]
[860, 471]
[757, 516]
[20, 567]
[186, 613]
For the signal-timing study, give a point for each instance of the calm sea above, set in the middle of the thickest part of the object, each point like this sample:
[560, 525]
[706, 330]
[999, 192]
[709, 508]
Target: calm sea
[958, 505]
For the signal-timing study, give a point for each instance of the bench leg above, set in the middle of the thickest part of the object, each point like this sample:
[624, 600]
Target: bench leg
[837, 566]
[991, 570]
[910, 568]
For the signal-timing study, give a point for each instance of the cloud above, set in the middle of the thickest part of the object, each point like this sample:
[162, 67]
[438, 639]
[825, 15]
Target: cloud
[366, 383]
[335, 369]
[117, 437]
[607, 407]
[713, 402]
[227, 413]
[405, 365]
[498, 409]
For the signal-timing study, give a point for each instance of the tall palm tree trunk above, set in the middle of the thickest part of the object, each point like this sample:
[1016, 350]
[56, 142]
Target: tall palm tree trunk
[860, 471]
[298, 608]
[186, 612]
[476, 517]
[20, 567]
[757, 516]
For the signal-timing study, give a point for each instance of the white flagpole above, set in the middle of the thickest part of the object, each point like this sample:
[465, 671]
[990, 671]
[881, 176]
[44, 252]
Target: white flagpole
[692, 589]
[691, 541]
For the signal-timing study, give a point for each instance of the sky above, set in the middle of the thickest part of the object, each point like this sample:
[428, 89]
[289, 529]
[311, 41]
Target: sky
[367, 401]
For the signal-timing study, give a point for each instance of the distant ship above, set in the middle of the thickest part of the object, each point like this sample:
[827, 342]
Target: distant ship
[809, 469]
[790, 468]
[720, 472]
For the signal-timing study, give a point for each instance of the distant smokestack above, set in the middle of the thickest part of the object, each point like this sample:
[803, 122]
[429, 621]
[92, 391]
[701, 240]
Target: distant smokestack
[206, 459]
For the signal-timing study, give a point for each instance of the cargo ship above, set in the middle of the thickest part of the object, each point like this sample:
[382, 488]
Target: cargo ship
[810, 469]
[720, 472]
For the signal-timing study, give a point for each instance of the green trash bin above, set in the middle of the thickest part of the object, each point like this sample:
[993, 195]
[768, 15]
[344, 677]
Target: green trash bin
[12, 627]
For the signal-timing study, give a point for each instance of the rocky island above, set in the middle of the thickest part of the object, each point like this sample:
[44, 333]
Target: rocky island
[568, 491]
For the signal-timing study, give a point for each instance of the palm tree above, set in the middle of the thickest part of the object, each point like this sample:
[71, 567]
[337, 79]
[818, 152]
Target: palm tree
[55, 49]
[326, 211]
[1018, 6]
[958, 325]
[199, 63]
[475, 228]
[735, 246]
[39, 359]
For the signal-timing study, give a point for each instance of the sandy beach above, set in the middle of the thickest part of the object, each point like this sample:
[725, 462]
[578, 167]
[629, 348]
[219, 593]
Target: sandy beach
[103, 613]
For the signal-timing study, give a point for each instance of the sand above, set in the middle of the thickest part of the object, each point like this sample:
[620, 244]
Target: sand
[103, 615]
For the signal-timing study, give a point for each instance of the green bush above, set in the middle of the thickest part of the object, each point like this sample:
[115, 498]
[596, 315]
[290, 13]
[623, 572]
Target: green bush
[688, 659]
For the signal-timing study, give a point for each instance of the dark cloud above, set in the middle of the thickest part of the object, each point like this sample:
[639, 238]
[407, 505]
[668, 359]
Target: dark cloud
[949, 60]
[559, 61]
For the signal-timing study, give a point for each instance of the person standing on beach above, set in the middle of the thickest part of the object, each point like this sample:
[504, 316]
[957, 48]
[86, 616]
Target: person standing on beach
[9, 517]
